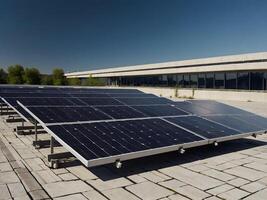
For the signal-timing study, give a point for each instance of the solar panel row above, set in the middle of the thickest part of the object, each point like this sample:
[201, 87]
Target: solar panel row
[100, 125]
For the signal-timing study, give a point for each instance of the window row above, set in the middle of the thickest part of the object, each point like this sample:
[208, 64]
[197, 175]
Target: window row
[221, 80]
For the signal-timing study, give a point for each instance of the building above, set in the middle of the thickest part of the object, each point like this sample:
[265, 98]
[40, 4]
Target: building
[245, 72]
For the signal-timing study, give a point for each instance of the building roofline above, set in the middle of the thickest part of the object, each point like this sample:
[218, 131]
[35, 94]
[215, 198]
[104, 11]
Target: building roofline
[219, 60]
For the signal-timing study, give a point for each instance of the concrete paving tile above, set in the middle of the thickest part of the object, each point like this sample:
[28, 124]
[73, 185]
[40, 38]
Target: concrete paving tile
[46, 176]
[154, 177]
[136, 178]
[67, 177]
[192, 192]
[72, 197]
[16, 190]
[263, 181]
[233, 194]
[24, 197]
[60, 171]
[5, 167]
[94, 195]
[238, 182]
[245, 173]
[29, 182]
[119, 194]
[34, 164]
[253, 187]
[192, 178]
[39, 195]
[257, 166]
[220, 189]
[213, 198]
[82, 173]
[65, 188]
[218, 175]
[198, 168]
[223, 166]
[8, 177]
[261, 195]
[4, 193]
[149, 191]
[172, 184]
[109, 184]
[177, 197]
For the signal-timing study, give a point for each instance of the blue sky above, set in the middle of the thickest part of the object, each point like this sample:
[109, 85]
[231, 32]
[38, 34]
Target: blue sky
[93, 34]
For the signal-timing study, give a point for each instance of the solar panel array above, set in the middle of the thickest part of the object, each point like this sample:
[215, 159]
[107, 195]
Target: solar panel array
[100, 126]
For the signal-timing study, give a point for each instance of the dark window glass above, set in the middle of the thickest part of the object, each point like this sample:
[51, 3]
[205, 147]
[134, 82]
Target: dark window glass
[163, 81]
[243, 80]
[171, 80]
[186, 80]
[209, 80]
[256, 80]
[201, 81]
[219, 80]
[193, 80]
[230, 80]
[180, 80]
[265, 80]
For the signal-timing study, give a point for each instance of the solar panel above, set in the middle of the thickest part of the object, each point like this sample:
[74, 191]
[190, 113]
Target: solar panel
[237, 123]
[192, 108]
[100, 101]
[159, 110]
[121, 112]
[215, 107]
[203, 127]
[100, 143]
[68, 114]
[144, 101]
[45, 101]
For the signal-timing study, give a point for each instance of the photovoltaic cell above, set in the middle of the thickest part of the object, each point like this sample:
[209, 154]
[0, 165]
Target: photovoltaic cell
[203, 127]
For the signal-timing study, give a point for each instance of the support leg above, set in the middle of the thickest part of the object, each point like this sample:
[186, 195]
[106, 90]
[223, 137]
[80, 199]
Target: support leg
[35, 135]
[52, 145]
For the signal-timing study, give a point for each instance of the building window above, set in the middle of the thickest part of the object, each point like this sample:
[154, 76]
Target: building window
[243, 80]
[172, 80]
[265, 81]
[219, 80]
[210, 80]
[201, 81]
[193, 80]
[180, 80]
[186, 80]
[256, 80]
[230, 80]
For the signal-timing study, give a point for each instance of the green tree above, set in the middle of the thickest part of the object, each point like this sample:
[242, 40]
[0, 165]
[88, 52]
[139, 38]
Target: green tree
[93, 82]
[32, 76]
[3, 76]
[74, 81]
[46, 80]
[58, 77]
[15, 74]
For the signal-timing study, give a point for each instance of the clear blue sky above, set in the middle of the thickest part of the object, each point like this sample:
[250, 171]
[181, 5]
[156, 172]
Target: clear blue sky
[93, 34]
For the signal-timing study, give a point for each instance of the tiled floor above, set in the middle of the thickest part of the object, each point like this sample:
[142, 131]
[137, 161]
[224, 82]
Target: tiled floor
[233, 170]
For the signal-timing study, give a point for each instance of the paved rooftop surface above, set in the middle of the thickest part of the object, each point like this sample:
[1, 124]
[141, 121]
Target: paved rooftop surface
[233, 170]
